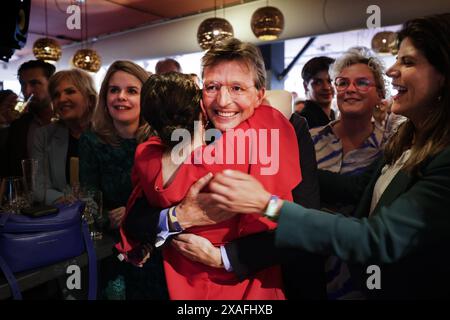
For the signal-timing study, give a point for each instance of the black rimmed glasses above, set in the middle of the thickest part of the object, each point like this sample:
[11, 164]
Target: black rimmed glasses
[234, 90]
[361, 84]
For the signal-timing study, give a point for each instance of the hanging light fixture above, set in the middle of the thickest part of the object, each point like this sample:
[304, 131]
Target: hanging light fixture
[47, 49]
[87, 59]
[212, 30]
[393, 45]
[383, 42]
[267, 23]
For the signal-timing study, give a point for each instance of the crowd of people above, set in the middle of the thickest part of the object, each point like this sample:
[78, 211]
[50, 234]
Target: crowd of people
[211, 193]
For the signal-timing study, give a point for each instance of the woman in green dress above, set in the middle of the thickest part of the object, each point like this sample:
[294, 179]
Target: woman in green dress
[107, 156]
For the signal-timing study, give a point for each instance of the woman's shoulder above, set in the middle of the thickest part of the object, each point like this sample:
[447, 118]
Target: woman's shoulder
[442, 159]
[153, 144]
[51, 129]
[90, 137]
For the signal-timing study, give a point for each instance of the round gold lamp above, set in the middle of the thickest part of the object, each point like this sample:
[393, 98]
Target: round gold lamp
[393, 45]
[47, 49]
[267, 23]
[383, 42]
[87, 59]
[212, 30]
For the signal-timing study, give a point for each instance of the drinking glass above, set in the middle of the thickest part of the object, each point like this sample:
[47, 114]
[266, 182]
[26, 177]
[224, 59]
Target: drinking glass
[93, 211]
[29, 170]
[13, 196]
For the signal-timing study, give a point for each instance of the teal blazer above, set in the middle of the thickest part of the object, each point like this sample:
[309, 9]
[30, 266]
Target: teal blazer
[407, 235]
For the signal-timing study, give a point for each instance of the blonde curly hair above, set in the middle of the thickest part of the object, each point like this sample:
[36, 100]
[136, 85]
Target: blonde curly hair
[365, 56]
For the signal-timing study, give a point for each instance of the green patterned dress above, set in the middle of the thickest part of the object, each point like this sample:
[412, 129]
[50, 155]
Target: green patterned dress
[108, 168]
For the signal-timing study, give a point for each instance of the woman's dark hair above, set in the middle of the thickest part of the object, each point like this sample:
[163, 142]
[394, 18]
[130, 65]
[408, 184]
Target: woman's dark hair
[170, 101]
[429, 35]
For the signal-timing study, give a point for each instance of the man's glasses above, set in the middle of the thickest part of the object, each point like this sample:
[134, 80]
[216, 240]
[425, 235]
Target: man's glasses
[362, 84]
[234, 90]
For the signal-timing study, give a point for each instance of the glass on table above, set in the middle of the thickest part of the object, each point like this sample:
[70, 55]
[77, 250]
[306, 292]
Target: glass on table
[13, 196]
[93, 210]
[34, 188]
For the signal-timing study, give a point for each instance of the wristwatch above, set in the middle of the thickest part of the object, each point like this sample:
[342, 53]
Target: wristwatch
[272, 208]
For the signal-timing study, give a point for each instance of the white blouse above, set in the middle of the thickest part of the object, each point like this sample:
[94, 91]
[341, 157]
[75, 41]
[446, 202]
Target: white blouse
[387, 174]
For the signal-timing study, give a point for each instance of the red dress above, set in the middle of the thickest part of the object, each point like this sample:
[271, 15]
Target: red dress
[270, 131]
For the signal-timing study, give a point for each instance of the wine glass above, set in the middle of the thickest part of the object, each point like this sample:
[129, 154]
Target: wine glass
[93, 211]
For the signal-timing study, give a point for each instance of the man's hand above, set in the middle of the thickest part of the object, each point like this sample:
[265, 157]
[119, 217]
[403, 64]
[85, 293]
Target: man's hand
[198, 249]
[198, 209]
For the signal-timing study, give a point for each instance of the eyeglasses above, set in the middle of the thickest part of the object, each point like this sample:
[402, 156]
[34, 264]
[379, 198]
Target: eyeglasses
[234, 90]
[362, 84]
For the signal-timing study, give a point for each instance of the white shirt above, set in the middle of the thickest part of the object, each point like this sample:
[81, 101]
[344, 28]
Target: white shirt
[387, 174]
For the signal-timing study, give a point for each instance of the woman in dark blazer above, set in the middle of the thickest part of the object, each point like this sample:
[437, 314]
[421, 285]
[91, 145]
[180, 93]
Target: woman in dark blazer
[397, 242]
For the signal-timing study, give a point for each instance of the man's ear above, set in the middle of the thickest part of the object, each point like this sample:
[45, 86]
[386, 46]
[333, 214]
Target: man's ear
[261, 95]
[305, 86]
[205, 115]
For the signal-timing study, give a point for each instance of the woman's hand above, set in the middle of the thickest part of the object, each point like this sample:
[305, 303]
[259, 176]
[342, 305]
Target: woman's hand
[198, 249]
[239, 192]
[139, 256]
[116, 217]
[66, 199]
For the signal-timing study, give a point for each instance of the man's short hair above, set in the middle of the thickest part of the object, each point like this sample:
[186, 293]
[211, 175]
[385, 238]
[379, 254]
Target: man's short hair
[47, 69]
[167, 65]
[233, 49]
[314, 66]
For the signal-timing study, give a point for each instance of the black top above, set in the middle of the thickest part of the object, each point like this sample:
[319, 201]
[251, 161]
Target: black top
[72, 151]
[315, 115]
[17, 144]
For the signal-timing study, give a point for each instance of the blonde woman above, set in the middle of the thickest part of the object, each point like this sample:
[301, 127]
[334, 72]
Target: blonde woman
[74, 98]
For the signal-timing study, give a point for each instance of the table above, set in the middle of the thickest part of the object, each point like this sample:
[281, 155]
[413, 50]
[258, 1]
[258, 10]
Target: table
[33, 278]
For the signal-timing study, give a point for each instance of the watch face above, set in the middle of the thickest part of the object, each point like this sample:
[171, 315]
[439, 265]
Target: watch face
[271, 211]
[271, 214]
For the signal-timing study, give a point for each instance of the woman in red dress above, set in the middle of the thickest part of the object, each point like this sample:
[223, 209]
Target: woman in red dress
[254, 139]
